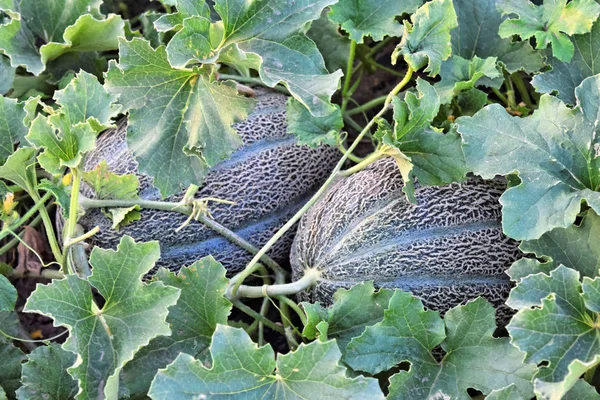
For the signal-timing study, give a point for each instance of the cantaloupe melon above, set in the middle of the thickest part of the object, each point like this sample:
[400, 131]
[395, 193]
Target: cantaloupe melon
[447, 249]
[269, 178]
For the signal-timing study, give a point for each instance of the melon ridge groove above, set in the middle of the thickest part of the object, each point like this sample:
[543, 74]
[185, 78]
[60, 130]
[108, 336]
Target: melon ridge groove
[411, 236]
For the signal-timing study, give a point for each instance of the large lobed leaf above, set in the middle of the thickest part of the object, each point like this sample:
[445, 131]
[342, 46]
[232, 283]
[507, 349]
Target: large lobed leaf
[352, 311]
[10, 368]
[65, 136]
[554, 153]
[566, 76]
[62, 26]
[426, 39]
[374, 18]
[193, 320]
[550, 23]
[474, 358]
[12, 126]
[8, 295]
[266, 35]
[45, 374]
[557, 325]
[575, 247]
[433, 157]
[477, 35]
[241, 369]
[180, 121]
[106, 338]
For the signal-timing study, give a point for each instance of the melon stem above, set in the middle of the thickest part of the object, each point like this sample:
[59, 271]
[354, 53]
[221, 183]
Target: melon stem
[237, 280]
[310, 278]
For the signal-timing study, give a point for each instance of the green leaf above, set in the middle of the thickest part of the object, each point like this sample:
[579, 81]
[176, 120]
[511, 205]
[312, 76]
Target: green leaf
[556, 325]
[240, 368]
[10, 368]
[124, 216]
[477, 35]
[108, 185]
[63, 145]
[352, 311]
[459, 74]
[193, 321]
[566, 76]
[373, 18]
[575, 247]
[426, 39]
[19, 168]
[8, 295]
[84, 99]
[188, 117]
[60, 26]
[334, 47]
[508, 393]
[406, 331]
[582, 391]
[17, 42]
[86, 34]
[61, 193]
[550, 23]
[265, 35]
[12, 126]
[474, 359]
[105, 339]
[554, 153]
[45, 374]
[7, 74]
[310, 130]
[436, 157]
[49, 19]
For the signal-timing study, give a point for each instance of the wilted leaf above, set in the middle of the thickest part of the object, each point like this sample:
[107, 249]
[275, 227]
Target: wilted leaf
[19, 168]
[86, 34]
[59, 27]
[436, 157]
[459, 74]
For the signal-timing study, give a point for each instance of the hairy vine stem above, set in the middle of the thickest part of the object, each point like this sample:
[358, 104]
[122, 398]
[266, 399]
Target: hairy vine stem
[186, 209]
[348, 77]
[237, 280]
